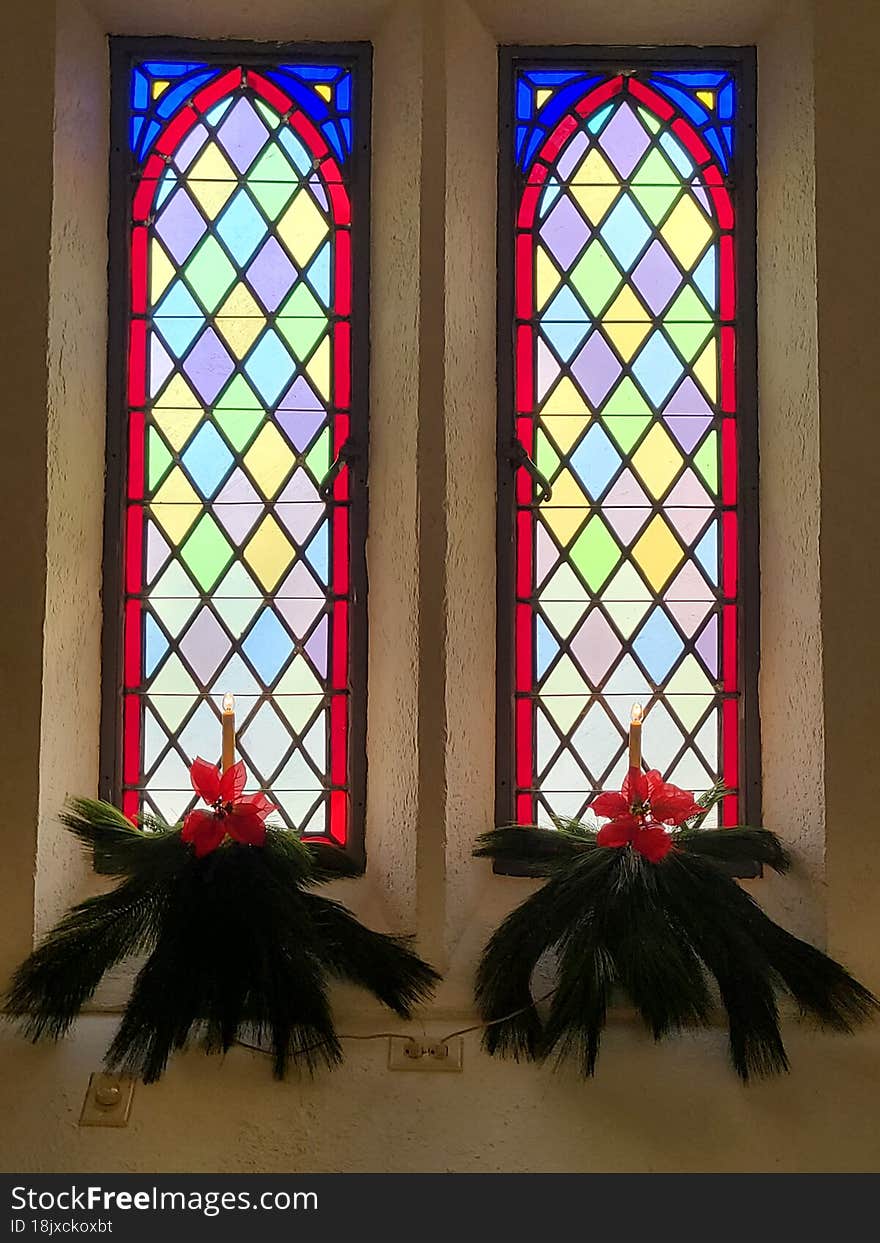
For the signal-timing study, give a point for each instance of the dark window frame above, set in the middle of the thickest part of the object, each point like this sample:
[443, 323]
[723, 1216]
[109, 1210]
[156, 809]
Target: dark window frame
[743, 61]
[358, 57]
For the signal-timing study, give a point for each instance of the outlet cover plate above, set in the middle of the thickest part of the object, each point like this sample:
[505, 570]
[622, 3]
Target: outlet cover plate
[116, 1112]
[400, 1059]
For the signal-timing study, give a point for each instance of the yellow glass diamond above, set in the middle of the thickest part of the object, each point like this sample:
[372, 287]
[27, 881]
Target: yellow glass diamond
[565, 399]
[657, 460]
[302, 228]
[686, 232]
[177, 425]
[595, 186]
[161, 271]
[657, 553]
[240, 320]
[176, 505]
[211, 180]
[269, 460]
[269, 553]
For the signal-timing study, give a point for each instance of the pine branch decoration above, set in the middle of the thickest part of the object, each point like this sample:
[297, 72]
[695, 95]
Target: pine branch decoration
[671, 929]
[236, 946]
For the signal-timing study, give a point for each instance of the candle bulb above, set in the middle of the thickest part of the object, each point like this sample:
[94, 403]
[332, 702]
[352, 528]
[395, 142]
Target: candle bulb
[228, 731]
[635, 737]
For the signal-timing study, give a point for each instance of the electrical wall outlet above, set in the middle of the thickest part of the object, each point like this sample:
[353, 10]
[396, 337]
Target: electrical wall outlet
[426, 1054]
[108, 1100]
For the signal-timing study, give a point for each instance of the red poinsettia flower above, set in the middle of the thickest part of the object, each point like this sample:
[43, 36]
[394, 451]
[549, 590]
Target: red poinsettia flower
[241, 817]
[637, 814]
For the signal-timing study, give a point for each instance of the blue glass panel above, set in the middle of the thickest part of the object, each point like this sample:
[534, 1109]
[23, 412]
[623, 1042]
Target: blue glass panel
[532, 146]
[726, 102]
[687, 103]
[546, 647]
[658, 645]
[677, 154]
[149, 136]
[172, 99]
[343, 93]
[552, 77]
[307, 98]
[319, 274]
[549, 197]
[705, 277]
[137, 124]
[179, 317]
[565, 337]
[241, 227]
[696, 79]
[345, 126]
[318, 553]
[155, 646]
[140, 91]
[268, 646]
[523, 101]
[521, 131]
[625, 232]
[595, 461]
[207, 460]
[331, 133]
[166, 185]
[597, 120]
[711, 136]
[171, 68]
[657, 368]
[707, 554]
[727, 131]
[295, 149]
[270, 366]
[215, 116]
[313, 73]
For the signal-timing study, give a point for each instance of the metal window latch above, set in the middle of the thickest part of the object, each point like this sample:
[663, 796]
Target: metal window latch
[517, 456]
[349, 452]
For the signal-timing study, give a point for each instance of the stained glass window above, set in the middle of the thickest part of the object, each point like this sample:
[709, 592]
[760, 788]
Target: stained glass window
[239, 185]
[628, 413]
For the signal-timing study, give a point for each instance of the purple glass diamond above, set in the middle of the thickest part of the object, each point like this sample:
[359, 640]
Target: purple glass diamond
[299, 426]
[624, 140]
[205, 645]
[687, 429]
[180, 226]
[300, 396]
[656, 276]
[193, 143]
[565, 232]
[596, 368]
[271, 274]
[687, 399]
[707, 646]
[208, 366]
[571, 155]
[316, 646]
[242, 134]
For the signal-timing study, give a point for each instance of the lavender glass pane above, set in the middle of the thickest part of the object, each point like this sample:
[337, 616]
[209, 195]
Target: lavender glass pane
[180, 226]
[707, 646]
[316, 648]
[300, 396]
[318, 191]
[565, 232]
[157, 551]
[571, 155]
[548, 369]
[626, 523]
[595, 645]
[190, 146]
[242, 134]
[160, 365]
[299, 488]
[299, 613]
[205, 645]
[689, 491]
[238, 489]
[300, 426]
[626, 491]
[271, 274]
[687, 399]
[688, 430]
[208, 365]
[300, 582]
[624, 140]
[596, 368]
[237, 520]
[300, 519]
[546, 553]
[656, 277]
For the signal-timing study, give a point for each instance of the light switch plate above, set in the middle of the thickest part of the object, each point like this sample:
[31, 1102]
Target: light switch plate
[108, 1100]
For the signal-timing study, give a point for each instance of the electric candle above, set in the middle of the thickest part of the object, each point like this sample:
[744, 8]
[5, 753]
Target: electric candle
[635, 737]
[228, 731]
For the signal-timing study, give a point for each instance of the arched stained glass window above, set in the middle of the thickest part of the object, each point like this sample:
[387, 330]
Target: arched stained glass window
[628, 527]
[237, 430]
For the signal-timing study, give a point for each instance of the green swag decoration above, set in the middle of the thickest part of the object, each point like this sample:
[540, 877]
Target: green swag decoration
[655, 913]
[236, 942]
